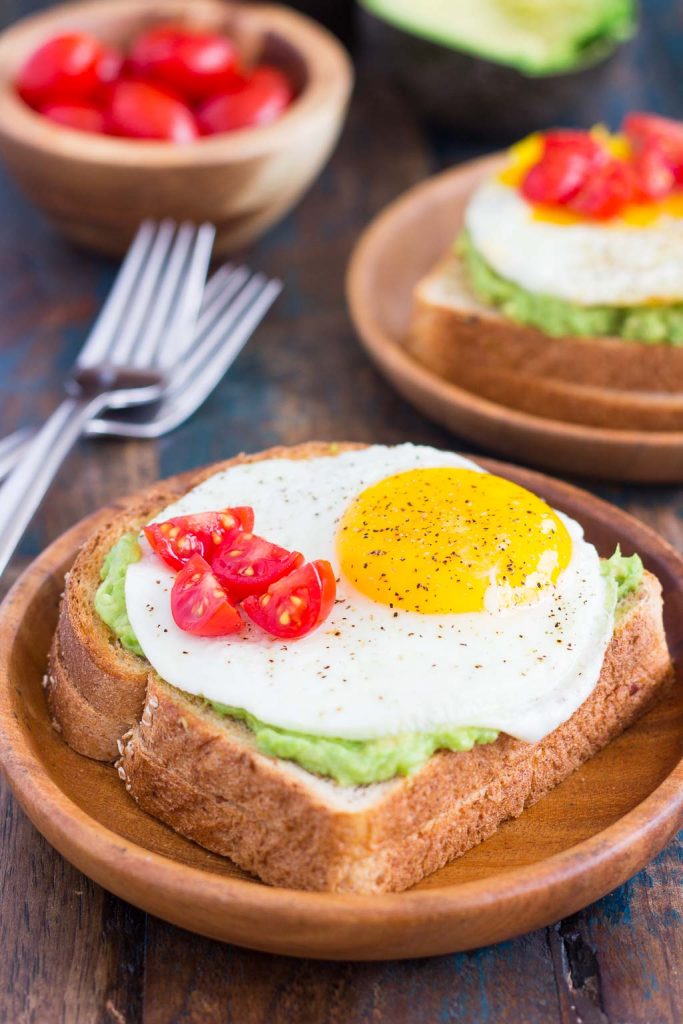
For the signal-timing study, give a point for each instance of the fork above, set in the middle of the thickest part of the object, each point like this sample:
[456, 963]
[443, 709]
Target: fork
[154, 303]
[234, 303]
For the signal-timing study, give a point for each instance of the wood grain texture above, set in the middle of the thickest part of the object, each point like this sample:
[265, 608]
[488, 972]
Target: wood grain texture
[303, 375]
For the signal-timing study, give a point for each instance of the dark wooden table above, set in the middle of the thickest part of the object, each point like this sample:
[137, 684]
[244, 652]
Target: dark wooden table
[70, 951]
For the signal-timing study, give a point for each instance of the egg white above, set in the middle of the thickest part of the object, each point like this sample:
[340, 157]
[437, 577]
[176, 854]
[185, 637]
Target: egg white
[590, 264]
[369, 670]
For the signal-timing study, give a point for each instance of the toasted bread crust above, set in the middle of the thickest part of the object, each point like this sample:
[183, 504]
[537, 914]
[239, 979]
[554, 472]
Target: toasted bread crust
[89, 669]
[205, 778]
[607, 382]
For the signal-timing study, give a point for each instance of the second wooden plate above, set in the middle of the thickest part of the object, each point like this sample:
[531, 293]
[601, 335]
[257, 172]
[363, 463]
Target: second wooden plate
[393, 253]
[585, 838]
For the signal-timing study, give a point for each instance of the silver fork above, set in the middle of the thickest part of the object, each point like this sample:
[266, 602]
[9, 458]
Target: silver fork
[234, 303]
[154, 302]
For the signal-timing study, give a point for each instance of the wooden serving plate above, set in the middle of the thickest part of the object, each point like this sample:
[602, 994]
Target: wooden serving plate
[397, 249]
[585, 838]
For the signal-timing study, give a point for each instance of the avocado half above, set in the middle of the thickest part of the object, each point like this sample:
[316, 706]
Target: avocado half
[498, 69]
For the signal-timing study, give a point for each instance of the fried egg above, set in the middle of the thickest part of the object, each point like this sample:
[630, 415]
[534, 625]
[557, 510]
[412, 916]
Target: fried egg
[462, 599]
[612, 263]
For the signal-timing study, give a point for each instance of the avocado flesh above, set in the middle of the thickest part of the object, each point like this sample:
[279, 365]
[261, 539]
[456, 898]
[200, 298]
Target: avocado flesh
[348, 762]
[535, 36]
[649, 325]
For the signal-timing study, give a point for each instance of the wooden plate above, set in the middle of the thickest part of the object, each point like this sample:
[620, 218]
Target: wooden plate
[587, 837]
[393, 253]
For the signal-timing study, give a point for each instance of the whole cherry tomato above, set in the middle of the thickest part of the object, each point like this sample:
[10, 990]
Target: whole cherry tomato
[84, 117]
[194, 64]
[69, 68]
[259, 99]
[140, 110]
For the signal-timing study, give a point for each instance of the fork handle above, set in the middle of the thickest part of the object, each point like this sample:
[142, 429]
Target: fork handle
[27, 484]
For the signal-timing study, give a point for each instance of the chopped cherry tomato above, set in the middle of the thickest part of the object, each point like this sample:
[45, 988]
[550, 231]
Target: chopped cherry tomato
[649, 134]
[569, 158]
[84, 117]
[249, 564]
[143, 111]
[295, 605]
[68, 68]
[655, 176]
[199, 604]
[259, 100]
[176, 540]
[606, 191]
[194, 64]
[579, 142]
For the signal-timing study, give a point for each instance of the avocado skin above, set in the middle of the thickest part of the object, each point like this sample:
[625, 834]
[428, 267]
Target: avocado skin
[479, 98]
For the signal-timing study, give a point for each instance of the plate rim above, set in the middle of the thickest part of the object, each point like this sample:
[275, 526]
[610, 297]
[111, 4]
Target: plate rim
[383, 348]
[112, 859]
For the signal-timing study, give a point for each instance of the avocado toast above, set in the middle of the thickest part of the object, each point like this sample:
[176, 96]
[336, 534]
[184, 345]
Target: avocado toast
[205, 773]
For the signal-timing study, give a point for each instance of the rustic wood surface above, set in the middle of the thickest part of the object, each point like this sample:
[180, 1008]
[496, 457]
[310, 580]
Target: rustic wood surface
[73, 953]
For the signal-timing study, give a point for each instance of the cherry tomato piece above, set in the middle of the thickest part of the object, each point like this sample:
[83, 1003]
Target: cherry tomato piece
[296, 604]
[199, 604]
[248, 564]
[67, 68]
[195, 64]
[139, 110]
[606, 191]
[84, 117]
[655, 176]
[582, 143]
[556, 177]
[649, 133]
[259, 100]
[176, 540]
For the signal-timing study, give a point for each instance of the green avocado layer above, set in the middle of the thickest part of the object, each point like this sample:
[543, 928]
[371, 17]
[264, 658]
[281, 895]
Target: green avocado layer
[349, 762]
[537, 37]
[651, 325]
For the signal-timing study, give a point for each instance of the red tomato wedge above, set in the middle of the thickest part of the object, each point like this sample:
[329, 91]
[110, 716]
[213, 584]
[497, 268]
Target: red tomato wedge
[84, 117]
[606, 191]
[658, 143]
[296, 604]
[569, 158]
[140, 110]
[195, 64]
[249, 564]
[67, 68]
[199, 604]
[176, 540]
[259, 100]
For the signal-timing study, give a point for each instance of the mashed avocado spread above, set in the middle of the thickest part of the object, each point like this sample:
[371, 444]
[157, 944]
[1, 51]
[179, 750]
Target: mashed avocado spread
[349, 762]
[651, 325]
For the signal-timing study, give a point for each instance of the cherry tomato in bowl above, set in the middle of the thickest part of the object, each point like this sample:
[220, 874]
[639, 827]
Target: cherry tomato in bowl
[140, 110]
[68, 68]
[84, 117]
[260, 99]
[194, 64]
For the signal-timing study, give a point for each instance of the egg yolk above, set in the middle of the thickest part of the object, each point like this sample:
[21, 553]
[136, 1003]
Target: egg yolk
[444, 540]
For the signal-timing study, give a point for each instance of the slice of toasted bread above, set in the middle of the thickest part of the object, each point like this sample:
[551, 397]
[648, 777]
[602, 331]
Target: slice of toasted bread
[203, 776]
[598, 381]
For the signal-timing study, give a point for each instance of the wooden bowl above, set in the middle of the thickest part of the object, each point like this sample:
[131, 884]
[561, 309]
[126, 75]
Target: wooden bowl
[585, 838]
[397, 249]
[97, 189]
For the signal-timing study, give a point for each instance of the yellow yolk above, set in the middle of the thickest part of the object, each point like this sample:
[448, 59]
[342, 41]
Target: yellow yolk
[440, 541]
